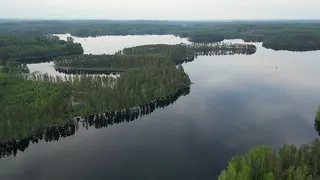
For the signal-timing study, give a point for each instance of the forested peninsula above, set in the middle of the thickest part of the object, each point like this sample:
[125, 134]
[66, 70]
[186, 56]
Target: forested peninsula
[277, 35]
[146, 73]
[44, 100]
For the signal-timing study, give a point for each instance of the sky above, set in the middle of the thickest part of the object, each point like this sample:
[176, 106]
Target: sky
[161, 9]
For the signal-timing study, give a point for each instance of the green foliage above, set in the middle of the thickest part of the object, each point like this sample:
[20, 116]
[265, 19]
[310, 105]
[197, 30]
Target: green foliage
[13, 67]
[293, 43]
[205, 38]
[317, 118]
[317, 121]
[44, 100]
[147, 77]
[111, 61]
[268, 176]
[23, 48]
[289, 164]
[26, 104]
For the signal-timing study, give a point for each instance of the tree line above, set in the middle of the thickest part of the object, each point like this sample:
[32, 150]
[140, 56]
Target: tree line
[111, 61]
[22, 48]
[307, 33]
[187, 52]
[295, 43]
[290, 163]
[146, 55]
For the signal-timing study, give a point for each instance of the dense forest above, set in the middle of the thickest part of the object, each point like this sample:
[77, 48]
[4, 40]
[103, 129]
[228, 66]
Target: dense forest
[146, 73]
[185, 51]
[147, 55]
[295, 43]
[44, 100]
[102, 120]
[23, 47]
[290, 163]
[111, 61]
[297, 33]
[206, 38]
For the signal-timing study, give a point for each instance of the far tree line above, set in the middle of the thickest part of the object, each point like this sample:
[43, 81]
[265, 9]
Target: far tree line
[283, 35]
[23, 48]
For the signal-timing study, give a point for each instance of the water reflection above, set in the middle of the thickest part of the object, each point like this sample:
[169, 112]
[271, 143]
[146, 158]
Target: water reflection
[98, 121]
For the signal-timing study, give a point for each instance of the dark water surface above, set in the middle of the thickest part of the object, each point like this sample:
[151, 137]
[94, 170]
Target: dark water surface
[236, 102]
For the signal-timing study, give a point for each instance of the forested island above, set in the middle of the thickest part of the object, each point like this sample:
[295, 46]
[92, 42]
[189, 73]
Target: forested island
[277, 35]
[290, 163]
[147, 55]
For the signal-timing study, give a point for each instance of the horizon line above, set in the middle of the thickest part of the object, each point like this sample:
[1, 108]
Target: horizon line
[196, 20]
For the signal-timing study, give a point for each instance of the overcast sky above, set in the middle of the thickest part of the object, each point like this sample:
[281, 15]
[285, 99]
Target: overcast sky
[161, 9]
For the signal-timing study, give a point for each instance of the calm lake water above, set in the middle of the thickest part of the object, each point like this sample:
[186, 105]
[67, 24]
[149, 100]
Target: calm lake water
[236, 102]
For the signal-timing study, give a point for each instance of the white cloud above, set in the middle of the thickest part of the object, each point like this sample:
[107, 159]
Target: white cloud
[161, 9]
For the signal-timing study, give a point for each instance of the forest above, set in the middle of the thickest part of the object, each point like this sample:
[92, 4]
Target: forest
[284, 35]
[147, 55]
[23, 48]
[146, 73]
[290, 163]
[296, 43]
[44, 100]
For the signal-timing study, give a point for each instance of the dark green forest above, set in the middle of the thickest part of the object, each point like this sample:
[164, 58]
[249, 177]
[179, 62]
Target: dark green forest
[290, 163]
[295, 43]
[44, 100]
[23, 48]
[282, 35]
[146, 74]
[149, 55]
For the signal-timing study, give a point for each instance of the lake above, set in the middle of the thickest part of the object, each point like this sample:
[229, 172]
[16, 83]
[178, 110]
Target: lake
[236, 102]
